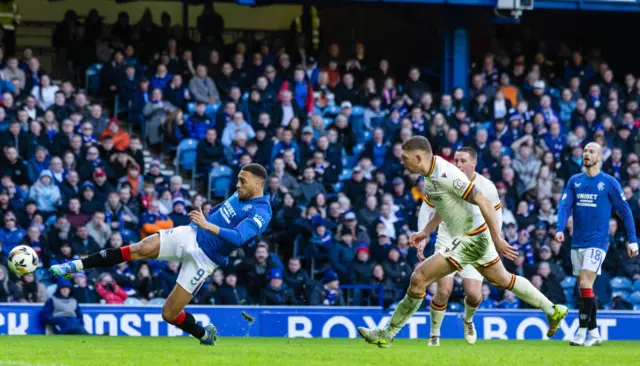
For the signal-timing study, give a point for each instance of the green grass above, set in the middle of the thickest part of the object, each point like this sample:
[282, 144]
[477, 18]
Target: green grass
[123, 351]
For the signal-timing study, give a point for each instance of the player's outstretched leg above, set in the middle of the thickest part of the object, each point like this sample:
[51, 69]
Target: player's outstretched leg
[498, 276]
[173, 313]
[423, 275]
[145, 249]
[438, 308]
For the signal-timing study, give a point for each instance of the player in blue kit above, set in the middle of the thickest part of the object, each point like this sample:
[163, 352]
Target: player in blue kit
[590, 197]
[201, 247]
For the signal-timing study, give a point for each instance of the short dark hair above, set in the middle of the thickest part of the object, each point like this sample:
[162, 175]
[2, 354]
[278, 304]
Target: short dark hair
[469, 150]
[257, 170]
[417, 143]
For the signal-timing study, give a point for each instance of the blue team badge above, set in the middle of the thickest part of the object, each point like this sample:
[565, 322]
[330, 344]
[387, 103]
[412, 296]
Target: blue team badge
[601, 186]
[247, 208]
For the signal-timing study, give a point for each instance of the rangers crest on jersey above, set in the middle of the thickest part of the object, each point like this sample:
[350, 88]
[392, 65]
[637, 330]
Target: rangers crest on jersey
[601, 186]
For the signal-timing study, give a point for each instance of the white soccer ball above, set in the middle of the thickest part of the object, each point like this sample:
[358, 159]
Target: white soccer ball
[23, 260]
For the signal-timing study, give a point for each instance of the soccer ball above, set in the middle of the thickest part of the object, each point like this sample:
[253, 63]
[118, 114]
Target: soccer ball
[23, 260]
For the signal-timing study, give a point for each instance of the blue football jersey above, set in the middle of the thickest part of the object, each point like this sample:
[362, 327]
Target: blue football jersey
[240, 222]
[591, 200]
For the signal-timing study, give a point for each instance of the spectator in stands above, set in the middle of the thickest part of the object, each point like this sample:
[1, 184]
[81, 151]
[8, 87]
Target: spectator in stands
[253, 271]
[83, 291]
[238, 124]
[329, 294]
[9, 291]
[74, 215]
[11, 234]
[153, 221]
[487, 301]
[286, 109]
[379, 278]
[156, 112]
[119, 136]
[98, 229]
[277, 292]
[83, 244]
[202, 88]
[109, 290]
[63, 312]
[309, 186]
[161, 78]
[31, 290]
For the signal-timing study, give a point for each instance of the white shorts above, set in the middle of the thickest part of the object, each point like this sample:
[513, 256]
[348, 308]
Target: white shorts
[468, 271]
[589, 259]
[179, 245]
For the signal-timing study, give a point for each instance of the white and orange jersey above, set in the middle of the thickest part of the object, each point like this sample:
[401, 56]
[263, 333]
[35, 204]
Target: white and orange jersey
[446, 189]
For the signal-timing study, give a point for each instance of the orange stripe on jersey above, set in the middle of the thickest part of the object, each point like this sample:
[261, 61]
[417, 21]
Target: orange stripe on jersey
[498, 206]
[512, 282]
[426, 200]
[477, 230]
[433, 166]
[468, 191]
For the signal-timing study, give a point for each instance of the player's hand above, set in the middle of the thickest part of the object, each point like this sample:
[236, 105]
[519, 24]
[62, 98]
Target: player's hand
[421, 247]
[417, 238]
[506, 250]
[197, 217]
[560, 237]
[632, 250]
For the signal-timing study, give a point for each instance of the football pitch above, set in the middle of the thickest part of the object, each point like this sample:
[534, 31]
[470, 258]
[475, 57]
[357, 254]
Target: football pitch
[158, 351]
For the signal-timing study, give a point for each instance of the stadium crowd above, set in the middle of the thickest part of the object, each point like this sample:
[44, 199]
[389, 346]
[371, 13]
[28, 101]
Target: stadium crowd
[328, 127]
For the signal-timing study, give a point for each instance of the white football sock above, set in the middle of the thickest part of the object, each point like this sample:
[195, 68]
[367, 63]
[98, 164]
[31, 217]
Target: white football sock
[469, 311]
[436, 320]
[531, 295]
[582, 332]
[594, 333]
[78, 264]
[404, 311]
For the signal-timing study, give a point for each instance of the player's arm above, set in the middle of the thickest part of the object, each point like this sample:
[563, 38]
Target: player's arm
[488, 212]
[494, 197]
[564, 209]
[245, 231]
[426, 213]
[622, 207]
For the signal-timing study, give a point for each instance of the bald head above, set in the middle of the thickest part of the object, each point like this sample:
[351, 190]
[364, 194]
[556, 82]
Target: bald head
[591, 155]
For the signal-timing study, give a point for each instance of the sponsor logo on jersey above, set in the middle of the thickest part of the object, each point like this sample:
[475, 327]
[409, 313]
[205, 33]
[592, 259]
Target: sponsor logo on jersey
[586, 199]
[601, 186]
[259, 220]
[227, 212]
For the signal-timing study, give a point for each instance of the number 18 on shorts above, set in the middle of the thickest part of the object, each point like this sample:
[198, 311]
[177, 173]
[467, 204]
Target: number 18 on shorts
[589, 259]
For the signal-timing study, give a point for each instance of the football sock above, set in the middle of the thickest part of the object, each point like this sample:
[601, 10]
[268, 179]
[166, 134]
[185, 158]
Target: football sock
[594, 333]
[593, 325]
[586, 307]
[469, 309]
[437, 315]
[104, 258]
[529, 294]
[404, 311]
[187, 323]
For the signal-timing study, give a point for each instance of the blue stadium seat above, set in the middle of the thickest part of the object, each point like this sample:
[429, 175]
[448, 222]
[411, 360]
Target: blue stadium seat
[569, 293]
[92, 78]
[212, 108]
[568, 282]
[357, 150]
[220, 181]
[191, 107]
[331, 111]
[455, 307]
[337, 187]
[367, 135]
[634, 298]
[157, 301]
[345, 174]
[571, 306]
[327, 121]
[621, 284]
[636, 285]
[51, 290]
[186, 157]
[636, 307]
[41, 274]
[357, 111]
[624, 295]
[132, 301]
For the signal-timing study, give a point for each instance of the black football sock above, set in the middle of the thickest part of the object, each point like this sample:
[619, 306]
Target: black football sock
[107, 258]
[592, 320]
[187, 323]
[586, 307]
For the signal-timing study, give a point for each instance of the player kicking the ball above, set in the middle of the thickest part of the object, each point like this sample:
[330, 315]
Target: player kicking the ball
[590, 196]
[466, 160]
[201, 247]
[455, 199]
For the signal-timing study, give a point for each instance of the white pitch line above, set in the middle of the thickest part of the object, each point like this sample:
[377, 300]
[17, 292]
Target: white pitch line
[20, 363]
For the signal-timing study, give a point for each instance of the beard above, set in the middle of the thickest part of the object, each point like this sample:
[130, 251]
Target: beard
[589, 164]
